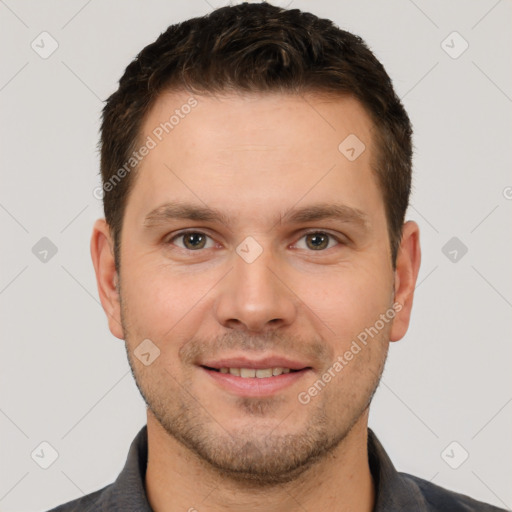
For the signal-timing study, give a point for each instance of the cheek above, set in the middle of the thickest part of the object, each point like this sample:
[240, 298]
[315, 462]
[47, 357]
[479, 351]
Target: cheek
[160, 307]
[347, 299]
[163, 302]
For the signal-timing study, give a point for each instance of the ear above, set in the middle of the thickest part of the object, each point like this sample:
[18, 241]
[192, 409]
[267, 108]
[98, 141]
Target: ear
[406, 273]
[102, 254]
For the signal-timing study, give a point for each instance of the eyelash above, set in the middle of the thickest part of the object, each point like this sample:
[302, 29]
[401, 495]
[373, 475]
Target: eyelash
[312, 232]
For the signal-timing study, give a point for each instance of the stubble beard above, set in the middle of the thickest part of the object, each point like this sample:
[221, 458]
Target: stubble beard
[251, 456]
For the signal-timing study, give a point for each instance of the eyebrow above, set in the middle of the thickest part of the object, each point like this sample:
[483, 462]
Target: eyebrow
[323, 211]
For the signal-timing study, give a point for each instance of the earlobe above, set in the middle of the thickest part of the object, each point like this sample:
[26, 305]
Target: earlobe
[406, 274]
[106, 275]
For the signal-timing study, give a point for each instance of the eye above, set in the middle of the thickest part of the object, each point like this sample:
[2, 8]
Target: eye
[318, 241]
[192, 240]
[197, 240]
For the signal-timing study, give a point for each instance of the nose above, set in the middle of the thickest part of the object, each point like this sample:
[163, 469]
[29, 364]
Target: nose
[254, 296]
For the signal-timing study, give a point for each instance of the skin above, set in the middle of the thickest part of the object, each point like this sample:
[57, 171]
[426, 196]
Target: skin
[254, 157]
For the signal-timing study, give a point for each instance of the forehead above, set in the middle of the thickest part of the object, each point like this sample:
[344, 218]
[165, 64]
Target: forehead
[258, 119]
[255, 151]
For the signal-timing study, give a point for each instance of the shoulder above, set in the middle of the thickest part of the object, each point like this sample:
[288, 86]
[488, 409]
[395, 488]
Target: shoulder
[127, 493]
[440, 499]
[89, 503]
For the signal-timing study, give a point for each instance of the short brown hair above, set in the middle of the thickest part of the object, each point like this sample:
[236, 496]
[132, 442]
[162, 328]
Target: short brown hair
[257, 48]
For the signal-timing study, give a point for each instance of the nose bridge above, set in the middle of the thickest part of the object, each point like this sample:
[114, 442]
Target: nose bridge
[252, 296]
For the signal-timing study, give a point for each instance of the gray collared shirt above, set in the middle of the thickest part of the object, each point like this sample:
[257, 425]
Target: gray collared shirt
[394, 491]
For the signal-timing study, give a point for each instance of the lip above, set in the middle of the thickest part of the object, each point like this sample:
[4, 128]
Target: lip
[253, 386]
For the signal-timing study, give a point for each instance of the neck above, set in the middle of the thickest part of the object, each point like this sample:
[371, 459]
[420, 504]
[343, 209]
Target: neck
[177, 480]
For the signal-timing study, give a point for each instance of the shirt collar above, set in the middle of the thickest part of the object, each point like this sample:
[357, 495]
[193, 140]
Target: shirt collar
[393, 492]
[128, 492]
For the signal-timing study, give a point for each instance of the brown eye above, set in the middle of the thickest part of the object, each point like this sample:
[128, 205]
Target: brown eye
[191, 240]
[318, 241]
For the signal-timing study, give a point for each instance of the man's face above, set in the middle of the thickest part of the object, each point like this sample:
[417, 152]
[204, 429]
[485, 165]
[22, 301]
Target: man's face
[262, 291]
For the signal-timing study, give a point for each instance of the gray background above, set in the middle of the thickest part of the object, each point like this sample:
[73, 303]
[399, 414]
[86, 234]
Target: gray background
[64, 378]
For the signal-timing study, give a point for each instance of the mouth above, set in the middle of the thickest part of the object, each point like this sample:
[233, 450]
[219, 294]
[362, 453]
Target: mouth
[258, 373]
[246, 378]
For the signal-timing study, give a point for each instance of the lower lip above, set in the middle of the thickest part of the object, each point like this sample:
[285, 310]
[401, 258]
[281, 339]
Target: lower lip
[253, 386]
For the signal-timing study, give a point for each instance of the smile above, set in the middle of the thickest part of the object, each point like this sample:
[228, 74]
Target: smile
[254, 382]
[259, 373]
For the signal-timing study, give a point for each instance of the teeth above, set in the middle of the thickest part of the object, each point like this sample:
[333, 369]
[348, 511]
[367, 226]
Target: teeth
[251, 372]
[267, 372]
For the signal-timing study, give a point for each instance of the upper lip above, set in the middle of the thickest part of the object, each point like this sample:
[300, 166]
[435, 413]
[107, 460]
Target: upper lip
[255, 363]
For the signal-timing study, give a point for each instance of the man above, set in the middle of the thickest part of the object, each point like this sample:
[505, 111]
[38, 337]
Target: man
[256, 168]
